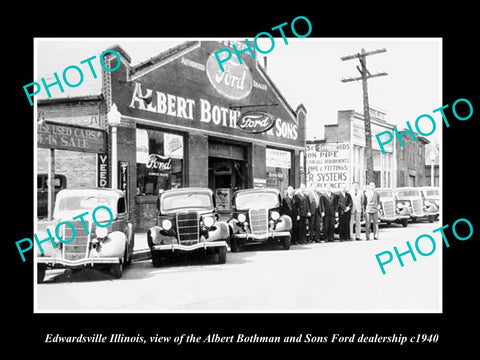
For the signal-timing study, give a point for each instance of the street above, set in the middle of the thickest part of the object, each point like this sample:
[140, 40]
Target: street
[318, 277]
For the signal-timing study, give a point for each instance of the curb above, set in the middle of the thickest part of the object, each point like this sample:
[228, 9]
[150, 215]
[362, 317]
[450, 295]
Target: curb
[141, 254]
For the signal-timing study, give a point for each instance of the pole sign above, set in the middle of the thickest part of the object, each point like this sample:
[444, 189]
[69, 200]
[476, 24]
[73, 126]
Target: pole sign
[123, 177]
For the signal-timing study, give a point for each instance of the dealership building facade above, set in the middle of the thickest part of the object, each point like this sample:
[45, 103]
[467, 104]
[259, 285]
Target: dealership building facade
[171, 122]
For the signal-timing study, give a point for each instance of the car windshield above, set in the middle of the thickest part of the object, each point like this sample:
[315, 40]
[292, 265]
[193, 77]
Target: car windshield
[256, 200]
[385, 193]
[186, 200]
[412, 192]
[432, 192]
[82, 202]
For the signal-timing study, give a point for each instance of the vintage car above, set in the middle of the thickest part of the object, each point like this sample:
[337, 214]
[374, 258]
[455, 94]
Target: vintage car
[104, 248]
[412, 198]
[187, 221]
[389, 211]
[257, 218]
[432, 197]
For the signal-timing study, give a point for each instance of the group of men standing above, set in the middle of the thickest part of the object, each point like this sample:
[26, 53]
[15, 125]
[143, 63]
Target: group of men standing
[310, 207]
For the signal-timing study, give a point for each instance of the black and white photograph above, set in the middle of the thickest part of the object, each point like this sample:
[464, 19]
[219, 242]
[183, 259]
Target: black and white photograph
[227, 185]
[263, 184]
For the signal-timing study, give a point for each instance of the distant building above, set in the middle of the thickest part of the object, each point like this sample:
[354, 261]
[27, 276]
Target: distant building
[410, 160]
[432, 148]
[340, 157]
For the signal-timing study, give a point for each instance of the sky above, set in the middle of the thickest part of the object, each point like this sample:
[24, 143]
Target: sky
[306, 70]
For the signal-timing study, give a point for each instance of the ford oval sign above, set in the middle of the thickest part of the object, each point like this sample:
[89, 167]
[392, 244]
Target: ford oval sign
[255, 122]
[234, 83]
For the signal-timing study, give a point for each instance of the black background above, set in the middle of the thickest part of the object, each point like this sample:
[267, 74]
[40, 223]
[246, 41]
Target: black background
[26, 330]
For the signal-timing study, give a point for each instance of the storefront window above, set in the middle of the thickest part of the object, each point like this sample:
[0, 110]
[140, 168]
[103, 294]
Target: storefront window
[159, 161]
[279, 163]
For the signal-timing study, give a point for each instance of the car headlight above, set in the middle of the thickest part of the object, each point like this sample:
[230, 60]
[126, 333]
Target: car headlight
[101, 232]
[166, 224]
[241, 217]
[399, 205]
[275, 215]
[407, 203]
[208, 221]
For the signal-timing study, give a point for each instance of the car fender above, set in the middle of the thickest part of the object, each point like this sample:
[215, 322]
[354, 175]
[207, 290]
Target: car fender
[113, 245]
[285, 224]
[234, 227]
[130, 236]
[153, 235]
[221, 232]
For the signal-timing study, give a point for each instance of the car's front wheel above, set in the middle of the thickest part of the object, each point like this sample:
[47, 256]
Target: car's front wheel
[116, 270]
[222, 254]
[156, 259]
[41, 269]
[286, 243]
[127, 260]
[234, 245]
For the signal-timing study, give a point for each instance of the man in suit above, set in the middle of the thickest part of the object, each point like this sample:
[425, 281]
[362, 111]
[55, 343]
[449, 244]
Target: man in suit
[289, 209]
[344, 204]
[302, 210]
[329, 208]
[316, 209]
[372, 203]
[356, 211]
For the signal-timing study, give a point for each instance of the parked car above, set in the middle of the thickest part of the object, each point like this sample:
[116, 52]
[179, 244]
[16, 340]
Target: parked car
[93, 246]
[187, 221]
[389, 211]
[432, 198]
[59, 181]
[257, 218]
[412, 198]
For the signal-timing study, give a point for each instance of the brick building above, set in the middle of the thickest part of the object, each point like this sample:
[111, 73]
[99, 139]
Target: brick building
[410, 160]
[177, 127]
[80, 167]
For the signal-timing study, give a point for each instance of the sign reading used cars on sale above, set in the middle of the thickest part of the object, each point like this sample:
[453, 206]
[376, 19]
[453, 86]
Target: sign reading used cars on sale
[328, 164]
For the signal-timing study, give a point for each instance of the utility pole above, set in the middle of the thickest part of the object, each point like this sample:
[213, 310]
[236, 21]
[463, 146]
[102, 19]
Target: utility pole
[365, 75]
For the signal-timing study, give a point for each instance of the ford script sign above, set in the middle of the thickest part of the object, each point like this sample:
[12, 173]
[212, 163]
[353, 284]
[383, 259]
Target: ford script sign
[255, 122]
[234, 83]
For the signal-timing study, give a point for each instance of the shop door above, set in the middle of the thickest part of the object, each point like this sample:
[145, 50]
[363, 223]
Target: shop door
[227, 171]
[411, 180]
[224, 178]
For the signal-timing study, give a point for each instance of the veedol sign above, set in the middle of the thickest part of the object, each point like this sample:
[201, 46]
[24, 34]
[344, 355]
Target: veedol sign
[255, 122]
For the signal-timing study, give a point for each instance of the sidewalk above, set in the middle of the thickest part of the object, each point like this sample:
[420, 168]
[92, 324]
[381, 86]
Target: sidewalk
[140, 248]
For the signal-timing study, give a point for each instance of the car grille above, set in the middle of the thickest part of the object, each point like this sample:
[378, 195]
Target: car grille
[258, 221]
[417, 206]
[77, 249]
[388, 208]
[188, 227]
